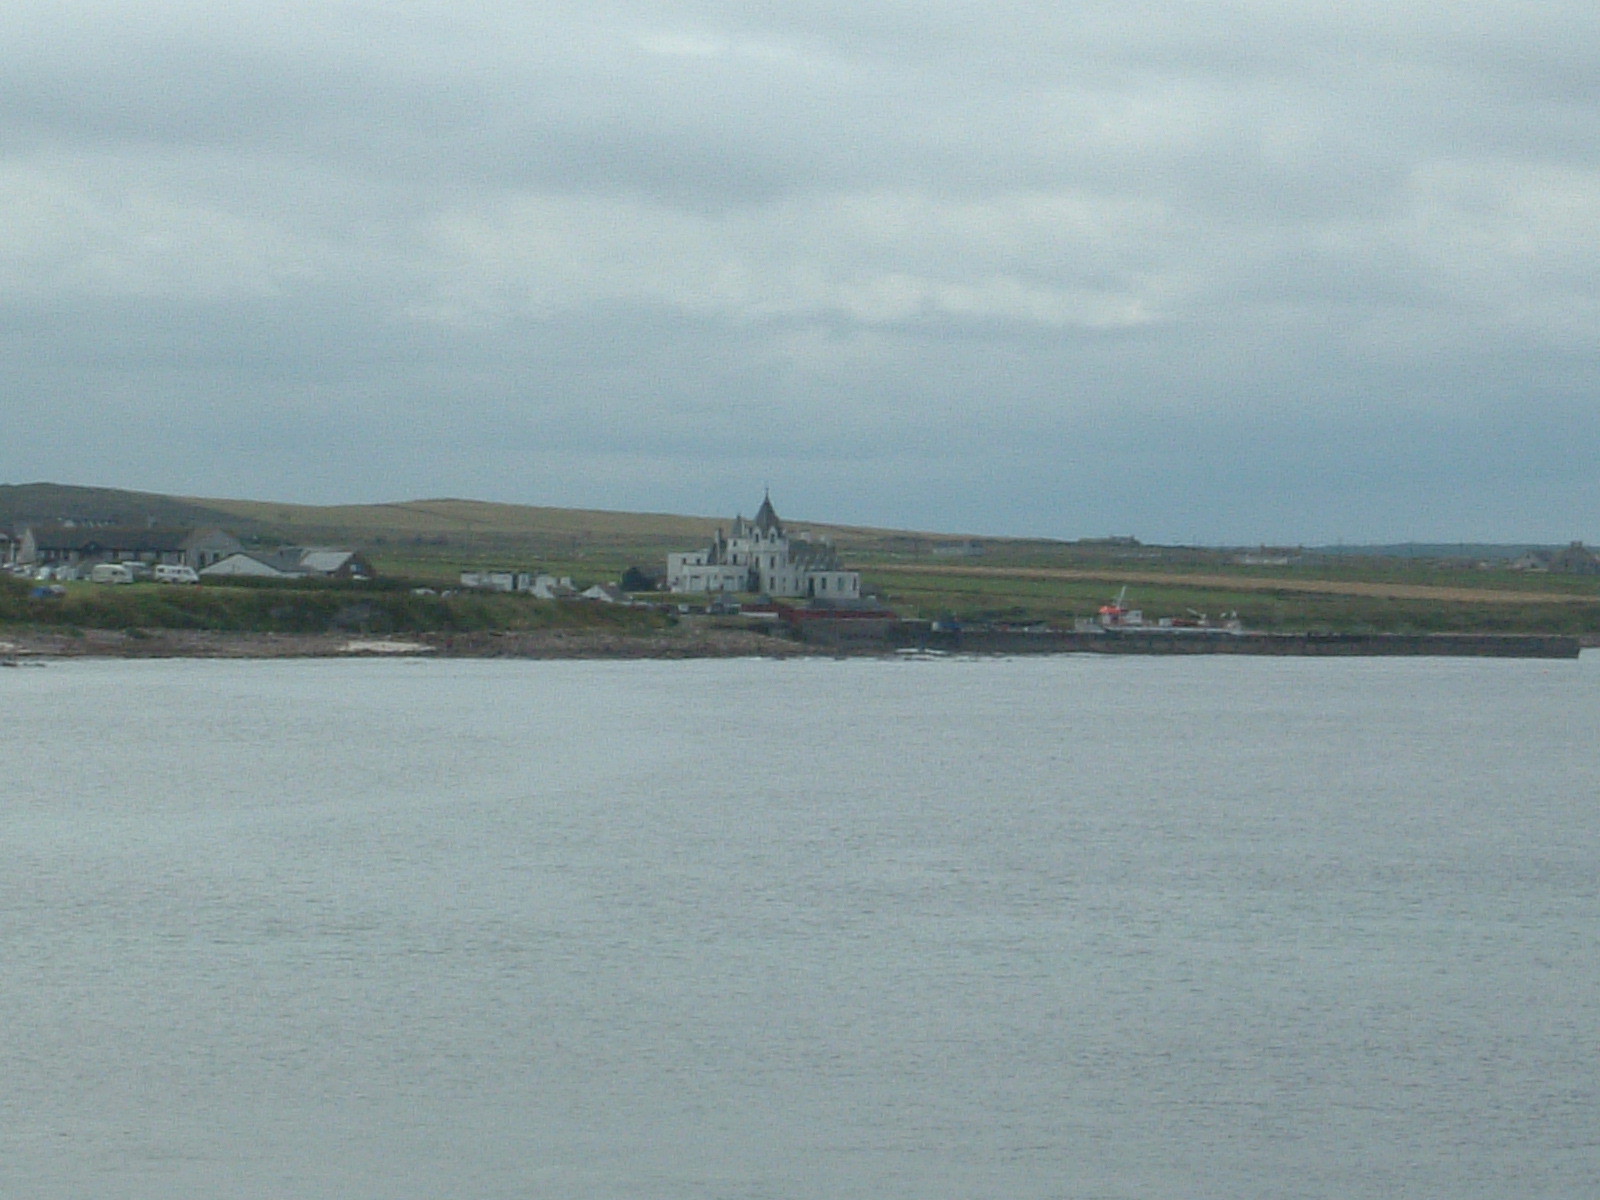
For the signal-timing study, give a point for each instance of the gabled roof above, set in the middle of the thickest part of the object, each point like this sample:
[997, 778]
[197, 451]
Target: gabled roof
[284, 561]
[93, 538]
[324, 560]
[244, 562]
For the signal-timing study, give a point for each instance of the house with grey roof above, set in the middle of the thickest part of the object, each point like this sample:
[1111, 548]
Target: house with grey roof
[71, 544]
[1572, 559]
[605, 593]
[291, 562]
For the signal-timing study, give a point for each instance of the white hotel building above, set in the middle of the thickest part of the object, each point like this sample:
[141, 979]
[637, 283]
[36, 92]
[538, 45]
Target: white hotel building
[757, 556]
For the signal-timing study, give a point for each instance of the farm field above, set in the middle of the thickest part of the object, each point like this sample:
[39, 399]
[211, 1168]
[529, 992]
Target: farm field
[1287, 599]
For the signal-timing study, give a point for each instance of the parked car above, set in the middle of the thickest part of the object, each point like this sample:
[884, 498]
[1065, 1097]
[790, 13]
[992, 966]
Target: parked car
[175, 573]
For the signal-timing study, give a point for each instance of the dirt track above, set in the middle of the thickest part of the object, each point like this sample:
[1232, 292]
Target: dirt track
[1323, 587]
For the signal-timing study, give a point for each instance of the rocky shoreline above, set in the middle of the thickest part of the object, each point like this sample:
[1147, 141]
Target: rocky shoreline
[682, 642]
[691, 640]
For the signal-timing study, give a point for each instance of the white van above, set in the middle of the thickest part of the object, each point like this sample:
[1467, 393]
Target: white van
[175, 573]
[111, 573]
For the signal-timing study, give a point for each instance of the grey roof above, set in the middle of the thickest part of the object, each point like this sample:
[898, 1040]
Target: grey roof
[230, 565]
[767, 517]
[814, 556]
[90, 538]
[296, 560]
[323, 560]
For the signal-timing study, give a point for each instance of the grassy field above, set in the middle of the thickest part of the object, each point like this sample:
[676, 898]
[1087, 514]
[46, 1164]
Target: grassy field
[1451, 591]
[1263, 601]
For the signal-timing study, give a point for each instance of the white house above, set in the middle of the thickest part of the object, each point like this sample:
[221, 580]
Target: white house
[498, 581]
[758, 556]
[548, 587]
[537, 584]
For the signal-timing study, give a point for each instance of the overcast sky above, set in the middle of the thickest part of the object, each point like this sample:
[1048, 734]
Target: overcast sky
[1218, 271]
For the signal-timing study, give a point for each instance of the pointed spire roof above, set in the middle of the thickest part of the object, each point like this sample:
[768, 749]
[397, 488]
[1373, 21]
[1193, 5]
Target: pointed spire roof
[767, 518]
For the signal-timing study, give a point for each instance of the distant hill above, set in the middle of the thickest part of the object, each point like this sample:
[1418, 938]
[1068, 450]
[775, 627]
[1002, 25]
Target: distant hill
[1470, 551]
[479, 529]
[441, 527]
[36, 503]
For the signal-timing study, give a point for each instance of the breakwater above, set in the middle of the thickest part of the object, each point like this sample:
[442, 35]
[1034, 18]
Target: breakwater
[921, 635]
[1475, 645]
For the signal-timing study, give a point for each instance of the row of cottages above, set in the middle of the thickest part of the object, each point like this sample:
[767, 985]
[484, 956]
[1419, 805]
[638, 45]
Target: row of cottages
[758, 556]
[535, 584]
[541, 586]
[69, 545]
[291, 562]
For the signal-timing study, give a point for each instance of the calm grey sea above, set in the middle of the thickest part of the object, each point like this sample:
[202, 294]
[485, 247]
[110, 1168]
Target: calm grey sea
[1161, 929]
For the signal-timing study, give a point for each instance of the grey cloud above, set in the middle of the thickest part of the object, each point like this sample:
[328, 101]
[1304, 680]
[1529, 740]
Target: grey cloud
[886, 254]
